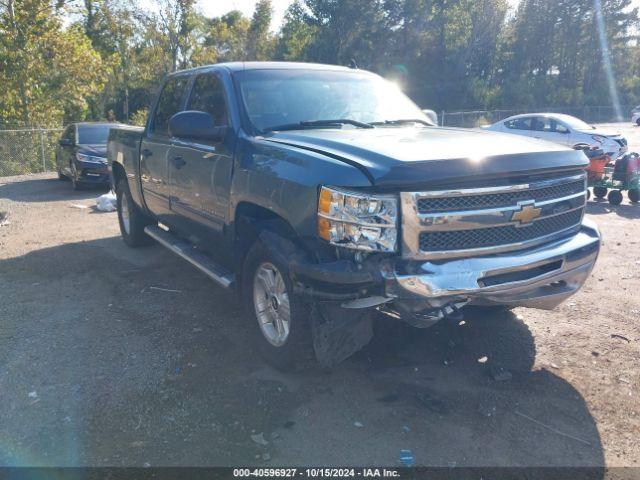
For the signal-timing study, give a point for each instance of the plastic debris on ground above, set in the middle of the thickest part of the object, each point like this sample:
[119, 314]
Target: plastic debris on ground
[259, 439]
[160, 289]
[106, 202]
[4, 219]
[406, 458]
[358, 424]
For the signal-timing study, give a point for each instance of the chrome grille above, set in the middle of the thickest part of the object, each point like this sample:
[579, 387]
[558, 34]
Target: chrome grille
[494, 236]
[480, 221]
[473, 202]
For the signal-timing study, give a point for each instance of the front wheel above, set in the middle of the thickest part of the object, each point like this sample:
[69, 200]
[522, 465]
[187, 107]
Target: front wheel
[131, 219]
[75, 182]
[281, 318]
[600, 192]
[634, 195]
[615, 197]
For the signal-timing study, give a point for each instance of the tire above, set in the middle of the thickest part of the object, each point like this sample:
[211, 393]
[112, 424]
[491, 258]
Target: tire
[287, 344]
[75, 183]
[615, 197]
[638, 122]
[600, 192]
[634, 195]
[61, 176]
[588, 194]
[130, 218]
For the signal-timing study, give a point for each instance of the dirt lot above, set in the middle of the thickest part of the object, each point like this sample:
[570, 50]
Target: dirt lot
[97, 367]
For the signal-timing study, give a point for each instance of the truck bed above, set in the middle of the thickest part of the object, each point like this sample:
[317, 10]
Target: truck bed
[124, 141]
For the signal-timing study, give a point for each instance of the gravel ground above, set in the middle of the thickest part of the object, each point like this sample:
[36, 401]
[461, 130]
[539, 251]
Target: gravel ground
[98, 367]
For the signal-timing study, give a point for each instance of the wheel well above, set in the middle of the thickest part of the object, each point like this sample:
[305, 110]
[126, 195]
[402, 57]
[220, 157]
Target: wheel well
[118, 173]
[250, 220]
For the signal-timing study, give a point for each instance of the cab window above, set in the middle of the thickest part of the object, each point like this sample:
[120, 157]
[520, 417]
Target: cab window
[208, 96]
[169, 104]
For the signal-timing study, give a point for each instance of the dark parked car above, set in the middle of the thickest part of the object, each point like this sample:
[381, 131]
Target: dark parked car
[82, 154]
[323, 193]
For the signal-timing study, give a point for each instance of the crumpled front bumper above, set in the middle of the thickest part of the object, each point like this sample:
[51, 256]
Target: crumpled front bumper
[540, 277]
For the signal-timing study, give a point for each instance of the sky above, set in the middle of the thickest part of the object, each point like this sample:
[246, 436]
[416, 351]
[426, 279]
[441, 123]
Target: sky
[215, 8]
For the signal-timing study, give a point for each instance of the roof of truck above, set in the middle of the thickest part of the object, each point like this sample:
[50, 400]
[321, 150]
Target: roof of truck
[240, 66]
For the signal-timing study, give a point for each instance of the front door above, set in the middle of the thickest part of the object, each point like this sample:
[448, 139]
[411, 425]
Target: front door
[200, 171]
[155, 148]
[551, 130]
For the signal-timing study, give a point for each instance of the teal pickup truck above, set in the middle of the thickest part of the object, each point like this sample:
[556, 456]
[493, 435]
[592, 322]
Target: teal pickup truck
[322, 193]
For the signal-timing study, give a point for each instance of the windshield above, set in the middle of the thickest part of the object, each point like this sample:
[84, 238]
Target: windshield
[93, 134]
[574, 123]
[282, 97]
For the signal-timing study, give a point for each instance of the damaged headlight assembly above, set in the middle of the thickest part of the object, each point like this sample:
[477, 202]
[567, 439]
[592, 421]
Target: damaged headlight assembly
[83, 157]
[358, 221]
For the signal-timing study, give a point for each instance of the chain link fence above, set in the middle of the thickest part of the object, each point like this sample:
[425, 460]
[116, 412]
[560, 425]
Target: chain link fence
[25, 151]
[478, 118]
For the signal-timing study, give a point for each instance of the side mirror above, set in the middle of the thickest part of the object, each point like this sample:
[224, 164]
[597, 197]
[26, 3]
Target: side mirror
[65, 142]
[431, 115]
[195, 125]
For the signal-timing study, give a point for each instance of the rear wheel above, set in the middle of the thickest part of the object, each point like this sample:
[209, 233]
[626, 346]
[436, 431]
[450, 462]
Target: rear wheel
[282, 325]
[634, 195]
[615, 197]
[131, 219]
[600, 192]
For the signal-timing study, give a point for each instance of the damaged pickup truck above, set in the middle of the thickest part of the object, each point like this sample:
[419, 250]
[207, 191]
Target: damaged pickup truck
[322, 193]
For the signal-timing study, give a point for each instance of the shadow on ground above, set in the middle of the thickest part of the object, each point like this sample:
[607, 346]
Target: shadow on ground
[114, 356]
[47, 190]
[602, 207]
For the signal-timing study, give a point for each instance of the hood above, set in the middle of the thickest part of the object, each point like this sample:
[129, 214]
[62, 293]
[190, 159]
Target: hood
[434, 155]
[97, 150]
[600, 133]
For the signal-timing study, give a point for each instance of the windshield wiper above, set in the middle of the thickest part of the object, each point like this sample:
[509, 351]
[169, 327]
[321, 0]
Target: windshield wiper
[402, 121]
[319, 123]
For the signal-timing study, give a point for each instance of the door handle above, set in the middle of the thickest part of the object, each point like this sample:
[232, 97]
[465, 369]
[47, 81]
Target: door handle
[178, 162]
[146, 153]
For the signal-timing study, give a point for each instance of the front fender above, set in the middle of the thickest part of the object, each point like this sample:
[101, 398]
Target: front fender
[286, 181]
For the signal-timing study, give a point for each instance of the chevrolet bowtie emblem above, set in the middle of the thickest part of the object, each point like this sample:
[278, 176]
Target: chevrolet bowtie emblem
[527, 214]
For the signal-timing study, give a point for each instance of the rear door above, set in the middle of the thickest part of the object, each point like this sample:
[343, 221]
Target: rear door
[156, 145]
[519, 126]
[200, 171]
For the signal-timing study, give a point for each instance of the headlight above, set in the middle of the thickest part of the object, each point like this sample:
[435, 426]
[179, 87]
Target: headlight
[90, 158]
[358, 221]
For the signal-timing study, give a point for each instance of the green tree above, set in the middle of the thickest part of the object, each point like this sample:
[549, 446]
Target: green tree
[260, 42]
[47, 72]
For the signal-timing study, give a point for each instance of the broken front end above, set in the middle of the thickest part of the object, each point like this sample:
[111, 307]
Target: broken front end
[425, 255]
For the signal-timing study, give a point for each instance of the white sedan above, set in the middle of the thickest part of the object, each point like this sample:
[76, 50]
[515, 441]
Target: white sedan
[563, 129]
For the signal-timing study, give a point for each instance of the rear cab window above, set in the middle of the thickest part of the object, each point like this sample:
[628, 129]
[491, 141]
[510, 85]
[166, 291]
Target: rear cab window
[169, 104]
